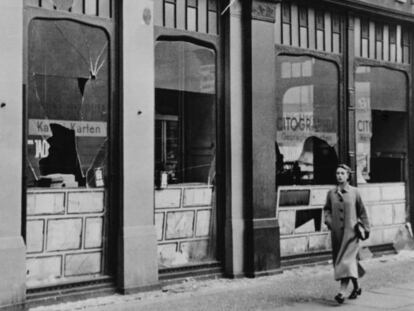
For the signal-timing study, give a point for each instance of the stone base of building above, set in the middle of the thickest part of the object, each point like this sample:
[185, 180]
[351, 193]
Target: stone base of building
[12, 271]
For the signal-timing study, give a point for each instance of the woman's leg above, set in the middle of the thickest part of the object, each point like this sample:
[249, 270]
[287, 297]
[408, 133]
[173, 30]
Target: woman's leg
[356, 291]
[344, 285]
[355, 283]
[340, 297]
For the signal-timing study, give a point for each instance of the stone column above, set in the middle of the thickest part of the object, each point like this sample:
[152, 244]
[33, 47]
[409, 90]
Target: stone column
[265, 239]
[12, 248]
[252, 232]
[137, 238]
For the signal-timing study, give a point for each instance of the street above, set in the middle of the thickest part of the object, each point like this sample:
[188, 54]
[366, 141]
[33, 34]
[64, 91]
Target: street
[388, 285]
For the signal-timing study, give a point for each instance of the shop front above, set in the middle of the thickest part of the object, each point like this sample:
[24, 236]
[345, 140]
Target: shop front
[69, 137]
[148, 140]
[341, 95]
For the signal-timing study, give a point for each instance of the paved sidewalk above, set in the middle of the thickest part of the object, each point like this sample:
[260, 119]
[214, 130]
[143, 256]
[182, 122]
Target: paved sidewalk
[399, 297]
[388, 285]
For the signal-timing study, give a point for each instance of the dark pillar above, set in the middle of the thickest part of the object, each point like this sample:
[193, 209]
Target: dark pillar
[348, 126]
[264, 237]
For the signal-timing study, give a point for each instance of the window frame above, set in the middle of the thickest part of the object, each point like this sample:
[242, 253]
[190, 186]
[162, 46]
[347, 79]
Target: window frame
[338, 61]
[406, 69]
[213, 42]
[111, 197]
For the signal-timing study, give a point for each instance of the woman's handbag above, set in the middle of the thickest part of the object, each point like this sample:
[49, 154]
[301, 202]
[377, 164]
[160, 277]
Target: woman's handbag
[360, 231]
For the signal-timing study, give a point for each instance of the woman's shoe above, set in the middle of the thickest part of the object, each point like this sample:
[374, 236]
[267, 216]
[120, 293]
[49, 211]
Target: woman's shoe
[340, 298]
[355, 293]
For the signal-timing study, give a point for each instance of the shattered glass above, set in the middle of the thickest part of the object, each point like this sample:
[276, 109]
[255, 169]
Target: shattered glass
[68, 93]
[68, 99]
[307, 99]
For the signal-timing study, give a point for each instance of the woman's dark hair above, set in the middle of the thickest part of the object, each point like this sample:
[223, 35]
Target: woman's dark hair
[345, 167]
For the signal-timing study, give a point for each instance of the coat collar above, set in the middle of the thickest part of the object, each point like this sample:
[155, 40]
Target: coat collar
[340, 194]
[346, 189]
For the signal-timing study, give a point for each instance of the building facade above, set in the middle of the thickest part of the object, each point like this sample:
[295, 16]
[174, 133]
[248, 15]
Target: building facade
[149, 140]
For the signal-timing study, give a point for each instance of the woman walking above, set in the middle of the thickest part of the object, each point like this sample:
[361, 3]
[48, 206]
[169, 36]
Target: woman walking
[343, 211]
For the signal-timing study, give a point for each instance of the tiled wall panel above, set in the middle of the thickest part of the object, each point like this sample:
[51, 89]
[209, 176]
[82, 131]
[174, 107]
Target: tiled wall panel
[64, 235]
[184, 221]
[385, 204]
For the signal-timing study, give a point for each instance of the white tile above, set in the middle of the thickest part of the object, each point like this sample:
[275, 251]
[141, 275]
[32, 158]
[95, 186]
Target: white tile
[86, 202]
[159, 225]
[180, 225]
[287, 221]
[167, 254]
[167, 198]
[64, 234]
[293, 246]
[382, 215]
[34, 235]
[197, 196]
[393, 192]
[399, 214]
[370, 193]
[195, 251]
[83, 264]
[43, 269]
[45, 203]
[203, 223]
[318, 196]
[390, 234]
[319, 242]
[93, 232]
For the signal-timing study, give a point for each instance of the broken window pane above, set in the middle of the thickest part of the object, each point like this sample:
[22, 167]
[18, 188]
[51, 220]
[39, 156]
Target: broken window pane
[68, 99]
[307, 117]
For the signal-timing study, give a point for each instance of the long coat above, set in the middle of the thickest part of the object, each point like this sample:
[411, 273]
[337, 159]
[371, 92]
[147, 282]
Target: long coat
[342, 211]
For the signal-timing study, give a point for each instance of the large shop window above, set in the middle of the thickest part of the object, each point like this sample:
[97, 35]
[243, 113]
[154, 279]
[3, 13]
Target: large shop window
[68, 89]
[185, 152]
[68, 93]
[381, 124]
[307, 120]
